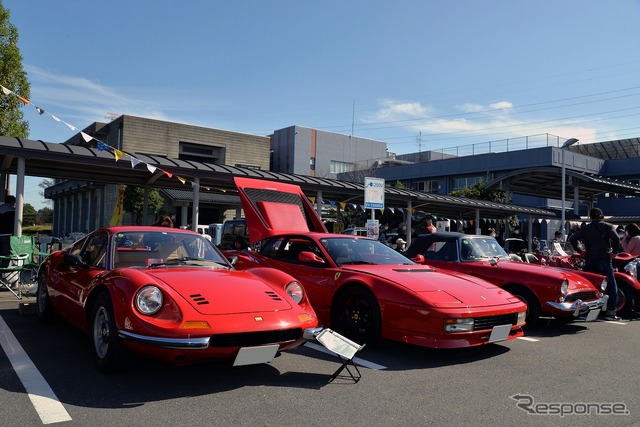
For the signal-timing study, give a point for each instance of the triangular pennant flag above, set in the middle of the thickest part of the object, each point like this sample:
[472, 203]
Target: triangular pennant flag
[343, 205]
[332, 203]
[88, 138]
[169, 174]
[55, 118]
[101, 146]
[392, 210]
[118, 154]
[362, 207]
[5, 90]
[40, 110]
[135, 162]
[222, 189]
[73, 128]
[26, 101]
[313, 199]
[151, 168]
[181, 179]
[400, 209]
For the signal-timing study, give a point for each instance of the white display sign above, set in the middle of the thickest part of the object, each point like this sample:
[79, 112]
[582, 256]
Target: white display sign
[374, 193]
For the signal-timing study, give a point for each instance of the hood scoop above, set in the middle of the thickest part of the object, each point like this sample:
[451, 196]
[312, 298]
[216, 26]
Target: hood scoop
[200, 299]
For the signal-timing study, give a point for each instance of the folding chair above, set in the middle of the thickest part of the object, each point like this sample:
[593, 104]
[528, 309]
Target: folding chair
[345, 349]
[23, 263]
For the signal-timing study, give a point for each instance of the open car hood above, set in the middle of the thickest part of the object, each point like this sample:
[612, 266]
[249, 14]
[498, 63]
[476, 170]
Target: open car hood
[273, 208]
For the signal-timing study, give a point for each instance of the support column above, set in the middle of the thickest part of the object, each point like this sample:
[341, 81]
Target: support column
[408, 218]
[478, 230]
[576, 200]
[195, 211]
[17, 224]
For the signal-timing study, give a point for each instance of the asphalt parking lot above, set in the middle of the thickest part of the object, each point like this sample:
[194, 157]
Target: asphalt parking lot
[568, 374]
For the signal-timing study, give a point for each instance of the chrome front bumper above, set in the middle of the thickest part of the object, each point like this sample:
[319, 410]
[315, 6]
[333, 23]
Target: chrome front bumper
[191, 343]
[579, 307]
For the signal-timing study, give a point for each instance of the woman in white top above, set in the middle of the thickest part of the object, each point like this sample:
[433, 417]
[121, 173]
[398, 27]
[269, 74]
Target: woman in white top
[631, 240]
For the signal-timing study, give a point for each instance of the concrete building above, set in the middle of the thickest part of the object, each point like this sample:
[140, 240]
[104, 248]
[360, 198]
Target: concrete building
[84, 206]
[304, 151]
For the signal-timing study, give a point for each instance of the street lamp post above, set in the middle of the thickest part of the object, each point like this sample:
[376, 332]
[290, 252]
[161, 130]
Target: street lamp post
[567, 143]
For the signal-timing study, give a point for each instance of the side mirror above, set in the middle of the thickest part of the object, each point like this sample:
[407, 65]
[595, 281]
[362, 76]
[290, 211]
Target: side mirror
[233, 260]
[418, 259]
[309, 257]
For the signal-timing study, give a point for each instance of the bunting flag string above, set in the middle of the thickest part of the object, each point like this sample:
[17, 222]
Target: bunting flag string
[118, 154]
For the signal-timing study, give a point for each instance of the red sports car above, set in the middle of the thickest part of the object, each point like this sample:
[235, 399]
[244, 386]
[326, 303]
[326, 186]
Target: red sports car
[169, 294]
[364, 289]
[548, 291]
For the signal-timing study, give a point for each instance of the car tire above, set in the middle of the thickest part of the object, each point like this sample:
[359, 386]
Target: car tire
[356, 314]
[533, 306]
[108, 350]
[44, 312]
[626, 300]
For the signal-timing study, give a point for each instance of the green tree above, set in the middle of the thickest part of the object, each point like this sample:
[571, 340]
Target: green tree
[480, 192]
[44, 216]
[12, 77]
[28, 215]
[134, 201]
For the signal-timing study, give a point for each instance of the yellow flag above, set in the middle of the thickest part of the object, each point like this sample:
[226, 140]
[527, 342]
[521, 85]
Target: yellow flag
[116, 216]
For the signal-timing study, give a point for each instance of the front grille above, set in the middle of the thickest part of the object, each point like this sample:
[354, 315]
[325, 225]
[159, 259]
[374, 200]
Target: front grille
[246, 339]
[584, 296]
[491, 321]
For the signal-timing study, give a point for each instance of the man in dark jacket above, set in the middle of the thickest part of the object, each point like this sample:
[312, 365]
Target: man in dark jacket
[602, 243]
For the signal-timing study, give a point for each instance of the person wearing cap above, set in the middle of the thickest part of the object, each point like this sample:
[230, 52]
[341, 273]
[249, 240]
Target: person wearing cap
[401, 245]
[601, 243]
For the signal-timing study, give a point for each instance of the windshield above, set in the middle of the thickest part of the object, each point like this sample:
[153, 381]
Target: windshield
[156, 248]
[556, 248]
[351, 251]
[481, 247]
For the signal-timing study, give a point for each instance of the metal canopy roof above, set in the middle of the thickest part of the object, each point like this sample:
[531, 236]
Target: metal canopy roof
[73, 162]
[620, 149]
[546, 182]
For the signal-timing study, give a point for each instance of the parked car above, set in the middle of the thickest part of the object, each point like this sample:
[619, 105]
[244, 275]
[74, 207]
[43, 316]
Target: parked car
[364, 289]
[548, 291]
[562, 254]
[170, 295]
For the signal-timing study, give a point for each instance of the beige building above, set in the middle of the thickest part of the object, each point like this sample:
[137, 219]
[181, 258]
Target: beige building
[84, 206]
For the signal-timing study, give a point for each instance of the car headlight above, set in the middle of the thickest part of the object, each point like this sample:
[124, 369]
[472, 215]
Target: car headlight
[632, 269]
[522, 315]
[458, 325]
[149, 300]
[564, 288]
[603, 285]
[295, 291]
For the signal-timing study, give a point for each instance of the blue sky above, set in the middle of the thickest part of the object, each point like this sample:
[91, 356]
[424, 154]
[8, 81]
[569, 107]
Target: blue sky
[419, 75]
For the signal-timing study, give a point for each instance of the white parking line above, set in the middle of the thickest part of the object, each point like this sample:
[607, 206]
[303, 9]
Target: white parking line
[44, 400]
[528, 339]
[356, 360]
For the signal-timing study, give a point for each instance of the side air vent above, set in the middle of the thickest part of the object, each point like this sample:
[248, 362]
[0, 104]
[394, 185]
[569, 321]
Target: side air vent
[199, 299]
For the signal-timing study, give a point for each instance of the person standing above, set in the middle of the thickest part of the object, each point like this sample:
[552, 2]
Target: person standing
[429, 227]
[7, 220]
[601, 243]
[631, 240]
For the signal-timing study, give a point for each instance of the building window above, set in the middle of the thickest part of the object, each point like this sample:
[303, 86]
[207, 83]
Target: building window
[202, 153]
[426, 186]
[312, 163]
[340, 167]
[462, 183]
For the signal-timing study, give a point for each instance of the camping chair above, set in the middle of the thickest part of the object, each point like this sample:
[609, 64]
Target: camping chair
[345, 349]
[23, 263]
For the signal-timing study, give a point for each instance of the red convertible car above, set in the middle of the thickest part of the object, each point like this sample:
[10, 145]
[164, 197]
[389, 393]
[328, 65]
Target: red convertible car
[364, 289]
[548, 291]
[170, 295]
[562, 254]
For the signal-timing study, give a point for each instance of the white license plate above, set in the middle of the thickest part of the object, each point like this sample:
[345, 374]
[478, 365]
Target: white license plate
[593, 315]
[500, 333]
[256, 355]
